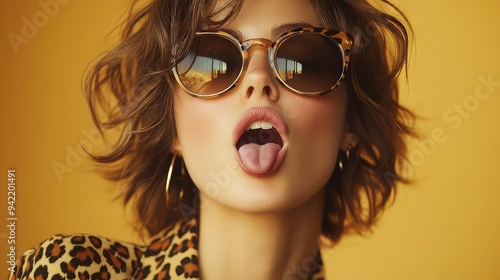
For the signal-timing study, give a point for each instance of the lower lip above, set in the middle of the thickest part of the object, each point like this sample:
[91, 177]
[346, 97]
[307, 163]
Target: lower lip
[262, 114]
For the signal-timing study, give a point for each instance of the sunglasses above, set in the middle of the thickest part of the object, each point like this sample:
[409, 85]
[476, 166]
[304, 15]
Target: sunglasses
[307, 61]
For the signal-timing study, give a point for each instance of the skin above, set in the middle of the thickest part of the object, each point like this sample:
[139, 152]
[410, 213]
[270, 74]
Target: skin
[270, 222]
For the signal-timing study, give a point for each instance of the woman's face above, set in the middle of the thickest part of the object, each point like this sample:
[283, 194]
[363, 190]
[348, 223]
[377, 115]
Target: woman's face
[262, 177]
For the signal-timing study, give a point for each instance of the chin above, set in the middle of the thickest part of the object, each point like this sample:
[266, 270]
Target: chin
[264, 195]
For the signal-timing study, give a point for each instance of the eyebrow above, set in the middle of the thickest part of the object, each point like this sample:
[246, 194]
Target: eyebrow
[276, 31]
[283, 28]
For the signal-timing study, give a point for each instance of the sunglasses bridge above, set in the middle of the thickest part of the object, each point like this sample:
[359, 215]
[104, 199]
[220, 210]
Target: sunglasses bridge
[266, 43]
[262, 42]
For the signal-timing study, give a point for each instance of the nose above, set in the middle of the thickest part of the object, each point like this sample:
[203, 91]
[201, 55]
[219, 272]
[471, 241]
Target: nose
[258, 81]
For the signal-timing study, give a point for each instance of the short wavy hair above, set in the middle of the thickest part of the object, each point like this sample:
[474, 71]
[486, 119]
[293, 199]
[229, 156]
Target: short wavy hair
[131, 88]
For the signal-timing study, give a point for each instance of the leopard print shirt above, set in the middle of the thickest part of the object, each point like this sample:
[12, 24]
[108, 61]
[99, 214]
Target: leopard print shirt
[172, 254]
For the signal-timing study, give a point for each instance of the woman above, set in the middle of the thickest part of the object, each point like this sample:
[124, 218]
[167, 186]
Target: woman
[248, 130]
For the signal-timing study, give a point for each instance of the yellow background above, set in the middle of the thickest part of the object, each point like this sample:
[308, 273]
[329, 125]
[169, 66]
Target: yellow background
[445, 226]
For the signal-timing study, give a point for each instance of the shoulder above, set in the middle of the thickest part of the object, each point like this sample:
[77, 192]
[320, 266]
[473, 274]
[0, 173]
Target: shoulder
[79, 256]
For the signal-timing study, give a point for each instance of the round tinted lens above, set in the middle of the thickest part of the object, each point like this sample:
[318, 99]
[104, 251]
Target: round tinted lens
[212, 65]
[309, 62]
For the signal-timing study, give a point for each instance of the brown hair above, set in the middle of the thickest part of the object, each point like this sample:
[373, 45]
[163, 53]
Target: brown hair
[131, 88]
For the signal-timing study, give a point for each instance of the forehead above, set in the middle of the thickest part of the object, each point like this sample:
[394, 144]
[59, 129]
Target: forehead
[269, 18]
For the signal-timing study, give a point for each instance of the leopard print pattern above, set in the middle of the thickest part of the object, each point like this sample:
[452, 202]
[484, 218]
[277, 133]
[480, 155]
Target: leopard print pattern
[78, 256]
[171, 254]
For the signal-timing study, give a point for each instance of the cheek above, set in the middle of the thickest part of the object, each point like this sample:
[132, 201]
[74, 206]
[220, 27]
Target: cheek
[318, 130]
[196, 123]
[203, 135]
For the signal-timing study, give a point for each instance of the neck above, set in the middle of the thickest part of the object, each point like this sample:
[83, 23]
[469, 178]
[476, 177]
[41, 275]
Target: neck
[239, 245]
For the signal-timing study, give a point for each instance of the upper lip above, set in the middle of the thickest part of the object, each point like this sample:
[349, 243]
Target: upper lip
[266, 114]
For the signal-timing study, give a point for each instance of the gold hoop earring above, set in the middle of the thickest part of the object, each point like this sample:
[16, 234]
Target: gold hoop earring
[179, 179]
[347, 156]
[341, 164]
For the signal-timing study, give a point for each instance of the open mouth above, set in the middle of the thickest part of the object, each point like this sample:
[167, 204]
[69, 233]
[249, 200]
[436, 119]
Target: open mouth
[260, 138]
[260, 133]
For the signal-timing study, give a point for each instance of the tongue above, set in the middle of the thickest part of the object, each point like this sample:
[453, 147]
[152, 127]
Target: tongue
[259, 159]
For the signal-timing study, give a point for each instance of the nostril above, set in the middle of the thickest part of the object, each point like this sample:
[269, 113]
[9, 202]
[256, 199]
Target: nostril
[250, 90]
[267, 90]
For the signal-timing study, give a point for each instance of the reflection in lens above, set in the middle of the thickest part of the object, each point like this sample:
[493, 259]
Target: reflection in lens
[211, 66]
[309, 62]
[202, 70]
[289, 68]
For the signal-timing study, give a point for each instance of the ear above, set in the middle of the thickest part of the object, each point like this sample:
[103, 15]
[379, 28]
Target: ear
[350, 139]
[176, 146]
